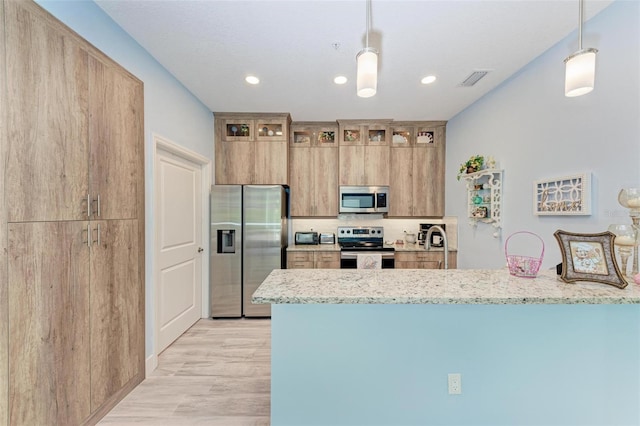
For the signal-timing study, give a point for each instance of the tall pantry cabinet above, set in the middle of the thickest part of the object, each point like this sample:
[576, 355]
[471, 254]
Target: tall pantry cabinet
[71, 224]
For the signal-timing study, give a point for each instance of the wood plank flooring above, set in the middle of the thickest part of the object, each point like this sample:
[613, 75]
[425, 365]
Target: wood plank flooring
[217, 373]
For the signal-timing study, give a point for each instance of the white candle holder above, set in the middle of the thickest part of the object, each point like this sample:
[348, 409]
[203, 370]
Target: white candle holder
[630, 198]
[625, 244]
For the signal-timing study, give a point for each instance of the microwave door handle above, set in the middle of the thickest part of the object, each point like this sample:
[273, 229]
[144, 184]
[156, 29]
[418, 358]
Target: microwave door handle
[375, 201]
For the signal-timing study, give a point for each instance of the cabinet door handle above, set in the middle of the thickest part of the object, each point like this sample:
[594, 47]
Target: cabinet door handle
[97, 202]
[88, 205]
[88, 232]
[97, 230]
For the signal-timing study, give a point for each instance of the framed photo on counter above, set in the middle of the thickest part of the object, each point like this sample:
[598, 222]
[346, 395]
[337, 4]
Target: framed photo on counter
[589, 257]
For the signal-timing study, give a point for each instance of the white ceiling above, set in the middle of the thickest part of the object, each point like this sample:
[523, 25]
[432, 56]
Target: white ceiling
[211, 45]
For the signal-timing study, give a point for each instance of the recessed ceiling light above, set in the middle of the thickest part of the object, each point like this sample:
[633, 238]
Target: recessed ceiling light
[341, 79]
[428, 79]
[252, 79]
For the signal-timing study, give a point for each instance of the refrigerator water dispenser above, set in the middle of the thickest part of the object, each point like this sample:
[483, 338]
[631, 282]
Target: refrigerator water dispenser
[226, 241]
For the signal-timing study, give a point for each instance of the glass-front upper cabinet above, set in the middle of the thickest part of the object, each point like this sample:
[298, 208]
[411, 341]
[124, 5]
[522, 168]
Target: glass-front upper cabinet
[272, 130]
[237, 130]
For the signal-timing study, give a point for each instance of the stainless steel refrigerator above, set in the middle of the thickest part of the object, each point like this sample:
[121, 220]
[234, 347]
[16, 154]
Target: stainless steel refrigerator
[248, 241]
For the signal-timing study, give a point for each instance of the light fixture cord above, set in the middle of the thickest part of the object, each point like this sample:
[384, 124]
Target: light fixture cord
[368, 15]
[580, 26]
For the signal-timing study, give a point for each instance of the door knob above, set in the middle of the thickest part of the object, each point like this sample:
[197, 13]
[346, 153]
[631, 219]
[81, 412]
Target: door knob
[200, 249]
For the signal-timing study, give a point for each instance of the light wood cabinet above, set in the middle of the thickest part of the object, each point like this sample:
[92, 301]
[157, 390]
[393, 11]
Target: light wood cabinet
[251, 148]
[4, 288]
[271, 161]
[423, 260]
[117, 319]
[401, 182]
[49, 317]
[364, 165]
[302, 198]
[72, 117]
[313, 174]
[47, 119]
[116, 119]
[75, 309]
[72, 214]
[417, 164]
[364, 152]
[234, 162]
[310, 259]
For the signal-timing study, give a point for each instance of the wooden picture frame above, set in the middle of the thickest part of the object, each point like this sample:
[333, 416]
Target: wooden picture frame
[567, 195]
[589, 257]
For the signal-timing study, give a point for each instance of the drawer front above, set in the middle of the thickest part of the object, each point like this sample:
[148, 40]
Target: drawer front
[300, 256]
[296, 264]
[327, 256]
[408, 256]
[327, 260]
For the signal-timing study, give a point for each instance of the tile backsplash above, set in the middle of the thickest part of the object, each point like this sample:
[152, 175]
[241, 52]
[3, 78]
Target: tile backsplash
[394, 229]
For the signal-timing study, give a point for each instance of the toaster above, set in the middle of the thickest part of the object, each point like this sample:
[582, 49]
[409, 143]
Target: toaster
[306, 238]
[327, 238]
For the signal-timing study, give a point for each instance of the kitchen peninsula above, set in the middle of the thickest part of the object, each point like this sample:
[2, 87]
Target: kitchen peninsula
[355, 347]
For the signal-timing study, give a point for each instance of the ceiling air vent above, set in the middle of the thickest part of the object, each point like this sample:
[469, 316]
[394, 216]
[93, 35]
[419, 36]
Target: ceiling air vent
[473, 78]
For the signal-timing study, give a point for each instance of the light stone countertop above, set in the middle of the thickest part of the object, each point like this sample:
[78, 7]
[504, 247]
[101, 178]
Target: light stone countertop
[417, 247]
[432, 286]
[313, 247]
[336, 247]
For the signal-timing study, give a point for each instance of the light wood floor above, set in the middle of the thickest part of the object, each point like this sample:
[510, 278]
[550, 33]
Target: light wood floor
[217, 373]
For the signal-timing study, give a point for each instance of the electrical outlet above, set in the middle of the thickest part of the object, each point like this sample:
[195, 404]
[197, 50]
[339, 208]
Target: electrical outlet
[455, 384]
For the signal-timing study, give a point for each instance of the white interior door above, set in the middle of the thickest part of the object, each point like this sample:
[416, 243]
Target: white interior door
[179, 245]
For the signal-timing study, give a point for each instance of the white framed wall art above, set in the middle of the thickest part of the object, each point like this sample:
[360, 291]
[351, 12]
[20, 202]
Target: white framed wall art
[567, 195]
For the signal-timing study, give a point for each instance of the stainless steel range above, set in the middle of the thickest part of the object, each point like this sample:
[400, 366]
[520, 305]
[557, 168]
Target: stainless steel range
[354, 240]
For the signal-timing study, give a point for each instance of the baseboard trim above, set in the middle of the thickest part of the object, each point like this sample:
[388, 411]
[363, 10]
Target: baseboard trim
[151, 363]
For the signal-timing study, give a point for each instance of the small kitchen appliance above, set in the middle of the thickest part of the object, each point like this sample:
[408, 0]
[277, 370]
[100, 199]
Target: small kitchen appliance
[363, 239]
[436, 236]
[328, 238]
[364, 199]
[306, 238]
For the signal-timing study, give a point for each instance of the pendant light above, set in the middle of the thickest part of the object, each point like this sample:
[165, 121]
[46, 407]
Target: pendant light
[580, 66]
[367, 66]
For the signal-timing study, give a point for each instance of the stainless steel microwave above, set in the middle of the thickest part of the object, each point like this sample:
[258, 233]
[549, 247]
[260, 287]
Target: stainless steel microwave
[364, 199]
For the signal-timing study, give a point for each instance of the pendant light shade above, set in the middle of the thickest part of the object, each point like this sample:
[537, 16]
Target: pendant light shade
[367, 66]
[580, 73]
[580, 67]
[367, 79]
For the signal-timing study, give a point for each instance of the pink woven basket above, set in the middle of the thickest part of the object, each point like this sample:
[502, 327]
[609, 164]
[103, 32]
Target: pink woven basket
[523, 266]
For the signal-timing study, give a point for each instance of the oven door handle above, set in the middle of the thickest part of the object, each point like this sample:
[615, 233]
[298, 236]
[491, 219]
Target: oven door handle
[354, 254]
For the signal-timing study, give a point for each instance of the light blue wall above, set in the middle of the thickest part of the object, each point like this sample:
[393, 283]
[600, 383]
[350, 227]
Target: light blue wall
[170, 110]
[552, 365]
[535, 132]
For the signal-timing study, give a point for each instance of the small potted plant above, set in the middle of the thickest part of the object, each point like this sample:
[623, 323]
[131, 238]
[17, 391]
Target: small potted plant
[472, 165]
